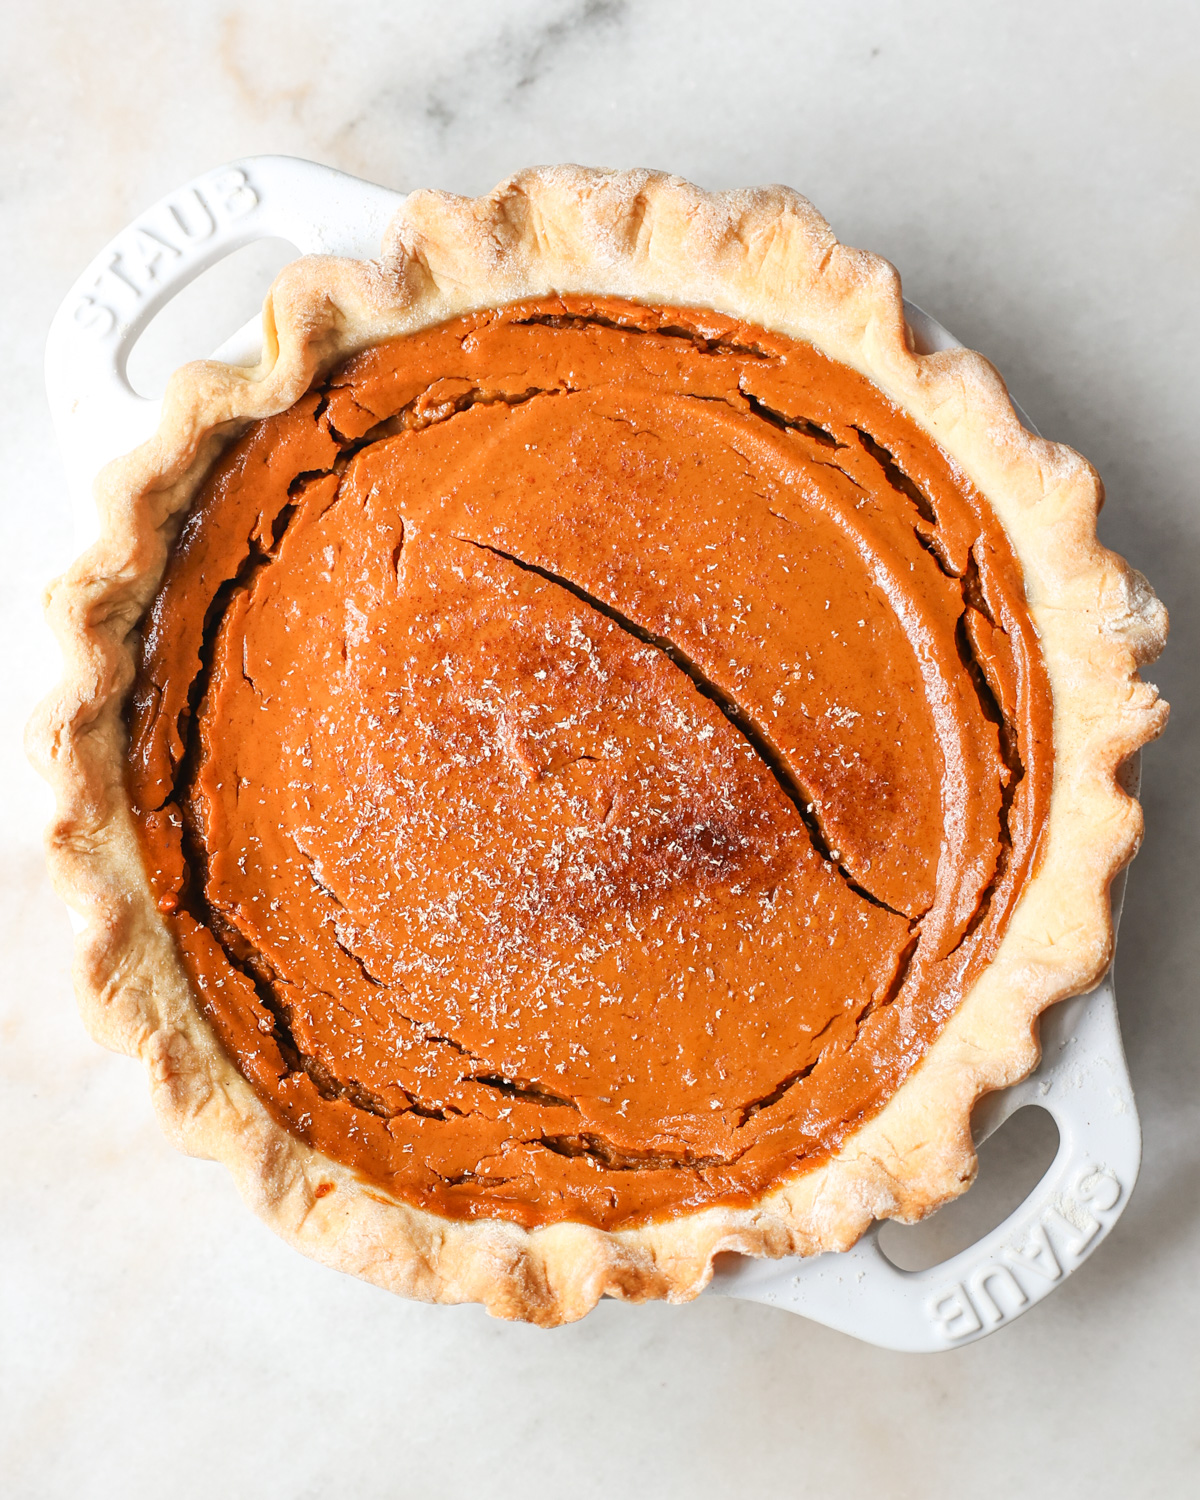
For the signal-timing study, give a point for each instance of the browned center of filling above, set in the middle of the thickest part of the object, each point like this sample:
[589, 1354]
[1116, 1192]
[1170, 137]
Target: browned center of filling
[584, 752]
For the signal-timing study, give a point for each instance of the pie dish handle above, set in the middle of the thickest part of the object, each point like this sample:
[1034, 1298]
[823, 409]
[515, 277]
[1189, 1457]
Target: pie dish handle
[1083, 1082]
[97, 414]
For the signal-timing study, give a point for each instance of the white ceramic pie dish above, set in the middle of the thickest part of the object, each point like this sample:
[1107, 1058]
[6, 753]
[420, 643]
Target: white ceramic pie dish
[1082, 1080]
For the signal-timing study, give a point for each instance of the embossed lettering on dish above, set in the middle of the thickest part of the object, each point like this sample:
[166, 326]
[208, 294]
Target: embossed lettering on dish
[137, 263]
[1022, 1271]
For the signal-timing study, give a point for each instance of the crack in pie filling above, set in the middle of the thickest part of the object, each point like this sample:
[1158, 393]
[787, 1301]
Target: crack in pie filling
[560, 782]
[584, 752]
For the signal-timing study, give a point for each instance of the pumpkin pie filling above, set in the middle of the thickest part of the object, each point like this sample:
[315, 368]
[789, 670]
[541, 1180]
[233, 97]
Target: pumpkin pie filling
[585, 752]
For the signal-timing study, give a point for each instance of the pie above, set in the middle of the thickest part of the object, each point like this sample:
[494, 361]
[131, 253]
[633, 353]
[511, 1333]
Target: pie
[594, 753]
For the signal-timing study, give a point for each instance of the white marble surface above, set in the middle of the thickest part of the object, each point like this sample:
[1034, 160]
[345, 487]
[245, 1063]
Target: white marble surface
[1031, 168]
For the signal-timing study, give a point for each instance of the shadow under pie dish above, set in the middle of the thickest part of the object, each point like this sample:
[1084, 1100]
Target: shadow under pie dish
[594, 753]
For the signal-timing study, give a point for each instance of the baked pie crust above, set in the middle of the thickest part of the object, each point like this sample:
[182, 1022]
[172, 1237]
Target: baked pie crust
[569, 244]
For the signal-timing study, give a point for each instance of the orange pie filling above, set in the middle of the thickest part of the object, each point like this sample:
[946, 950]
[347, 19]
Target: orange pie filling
[584, 752]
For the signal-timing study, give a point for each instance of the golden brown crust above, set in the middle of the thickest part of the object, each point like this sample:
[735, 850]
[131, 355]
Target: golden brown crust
[767, 257]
